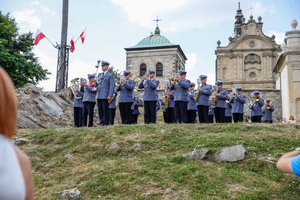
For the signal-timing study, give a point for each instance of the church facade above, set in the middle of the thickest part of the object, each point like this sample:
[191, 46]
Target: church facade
[287, 70]
[155, 52]
[247, 61]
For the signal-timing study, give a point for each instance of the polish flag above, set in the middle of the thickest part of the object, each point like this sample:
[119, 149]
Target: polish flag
[82, 37]
[38, 36]
[72, 49]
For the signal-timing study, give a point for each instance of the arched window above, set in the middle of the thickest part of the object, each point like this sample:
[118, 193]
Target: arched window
[159, 69]
[143, 69]
[252, 58]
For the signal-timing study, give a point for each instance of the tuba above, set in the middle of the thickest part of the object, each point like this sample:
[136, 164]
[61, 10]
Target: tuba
[75, 88]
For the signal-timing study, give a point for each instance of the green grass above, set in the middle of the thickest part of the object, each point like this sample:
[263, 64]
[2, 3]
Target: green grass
[146, 174]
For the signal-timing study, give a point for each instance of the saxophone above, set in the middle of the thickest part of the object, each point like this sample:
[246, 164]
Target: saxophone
[166, 99]
[197, 93]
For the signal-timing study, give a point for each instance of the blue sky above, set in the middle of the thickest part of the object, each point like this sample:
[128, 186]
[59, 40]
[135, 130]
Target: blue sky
[113, 25]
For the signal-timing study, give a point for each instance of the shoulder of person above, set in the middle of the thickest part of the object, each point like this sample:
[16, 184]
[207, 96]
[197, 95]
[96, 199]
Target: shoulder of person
[22, 157]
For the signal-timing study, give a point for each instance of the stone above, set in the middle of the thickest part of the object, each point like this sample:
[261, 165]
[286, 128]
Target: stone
[169, 191]
[197, 154]
[113, 146]
[69, 156]
[231, 154]
[20, 141]
[71, 194]
[162, 132]
[268, 159]
[136, 147]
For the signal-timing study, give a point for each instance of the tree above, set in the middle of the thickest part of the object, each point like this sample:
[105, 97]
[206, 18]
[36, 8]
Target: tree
[16, 55]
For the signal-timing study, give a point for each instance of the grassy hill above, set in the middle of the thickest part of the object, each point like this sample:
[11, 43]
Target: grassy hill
[68, 158]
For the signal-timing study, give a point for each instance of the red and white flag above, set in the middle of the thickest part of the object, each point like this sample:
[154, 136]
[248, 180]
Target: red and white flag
[38, 36]
[72, 43]
[82, 36]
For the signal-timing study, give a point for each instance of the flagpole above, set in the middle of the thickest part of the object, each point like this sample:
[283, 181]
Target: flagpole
[79, 35]
[50, 41]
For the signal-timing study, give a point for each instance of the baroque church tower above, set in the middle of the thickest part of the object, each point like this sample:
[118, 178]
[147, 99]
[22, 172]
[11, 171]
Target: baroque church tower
[248, 59]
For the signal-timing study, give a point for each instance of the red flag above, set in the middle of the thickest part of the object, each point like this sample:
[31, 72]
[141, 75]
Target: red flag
[38, 36]
[72, 49]
[82, 36]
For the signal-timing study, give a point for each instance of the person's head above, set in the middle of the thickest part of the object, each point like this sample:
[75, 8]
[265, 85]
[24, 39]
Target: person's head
[219, 84]
[91, 77]
[151, 73]
[238, 90]
[256, 93]
[192, 86]
[182, 74]
[292, 118]
[104, 65]
[203, 79]
[83, 81]
[268, 102]
[126, 75]
[8, 105]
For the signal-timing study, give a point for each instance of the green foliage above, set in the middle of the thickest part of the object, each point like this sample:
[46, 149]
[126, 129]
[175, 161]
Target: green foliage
[126, 174]
[16, 55]
[115, 72]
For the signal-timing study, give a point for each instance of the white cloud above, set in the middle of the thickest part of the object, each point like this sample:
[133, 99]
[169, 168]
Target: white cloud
[178, 14]
[27, 19]
[43, 8]
[279, 36]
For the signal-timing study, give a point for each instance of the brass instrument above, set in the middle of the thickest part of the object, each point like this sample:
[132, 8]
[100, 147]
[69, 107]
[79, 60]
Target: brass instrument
[197, 93]
[214, 98]
[166, 99]
[75, 88]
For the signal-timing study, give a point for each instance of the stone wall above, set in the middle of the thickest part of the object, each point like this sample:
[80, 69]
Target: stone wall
[170, 58]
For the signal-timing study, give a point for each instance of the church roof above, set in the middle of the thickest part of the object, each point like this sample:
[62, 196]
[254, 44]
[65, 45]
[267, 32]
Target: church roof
[154, 40]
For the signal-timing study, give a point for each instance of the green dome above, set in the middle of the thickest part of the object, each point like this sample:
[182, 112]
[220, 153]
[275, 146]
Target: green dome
[154, 40]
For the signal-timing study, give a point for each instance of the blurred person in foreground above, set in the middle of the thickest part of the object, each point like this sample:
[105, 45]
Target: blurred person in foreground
[15, 170]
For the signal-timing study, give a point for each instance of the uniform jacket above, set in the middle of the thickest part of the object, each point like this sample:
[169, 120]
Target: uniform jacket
[238, 104]
[191, 103]
[256, 108]
[89, 94]
[126, 92]
[221, 99]
[105, 85]
[150, 89]
[181, 90]
[77, 103]
[228, 109]
[268, 113]
[205, 92]
[171, 99]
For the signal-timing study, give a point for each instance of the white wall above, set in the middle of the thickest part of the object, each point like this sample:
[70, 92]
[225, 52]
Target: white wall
[285, 93]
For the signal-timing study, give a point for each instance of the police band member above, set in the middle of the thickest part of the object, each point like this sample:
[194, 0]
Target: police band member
[238, 101]
[192, 107]
[256, 108]
[181, 87]
[211, 111]
[220, 96]
[126, 88]
[268, 110]
[89, 100]
[112, 108]
[150, 84]
[135, 108]
[205, 90]
[168, 102]
[228, 111]
[78, 105]
[105, 91]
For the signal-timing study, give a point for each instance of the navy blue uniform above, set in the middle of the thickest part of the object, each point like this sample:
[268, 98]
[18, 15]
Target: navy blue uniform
[89, 101]
[125, 101]
[181, 89]
[203, 103]
[150, 99]
[105, 88]
[220, 105]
